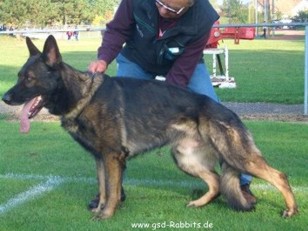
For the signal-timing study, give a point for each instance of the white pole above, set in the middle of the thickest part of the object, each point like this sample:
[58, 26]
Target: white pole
[306, 71]
[227, 63]
[256, 16]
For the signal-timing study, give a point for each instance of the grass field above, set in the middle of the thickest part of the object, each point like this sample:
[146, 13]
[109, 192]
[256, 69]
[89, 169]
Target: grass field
[47, 180]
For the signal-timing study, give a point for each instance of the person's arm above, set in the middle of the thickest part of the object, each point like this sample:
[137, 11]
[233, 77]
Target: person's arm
[116, 34]
[184, 66]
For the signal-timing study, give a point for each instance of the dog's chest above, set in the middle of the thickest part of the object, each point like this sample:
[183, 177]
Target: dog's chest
[79, 133]
[70, 125]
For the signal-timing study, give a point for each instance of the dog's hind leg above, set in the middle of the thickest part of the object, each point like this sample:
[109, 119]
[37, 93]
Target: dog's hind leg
[193, 158]
[212, 180]
[258, 167]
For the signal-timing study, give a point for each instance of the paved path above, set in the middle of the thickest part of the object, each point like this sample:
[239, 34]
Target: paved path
[269, 111]
[265, 108]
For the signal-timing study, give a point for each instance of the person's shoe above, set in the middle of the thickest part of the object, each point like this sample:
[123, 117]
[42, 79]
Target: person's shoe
[94, 203]
[123, 195]
[248, 194]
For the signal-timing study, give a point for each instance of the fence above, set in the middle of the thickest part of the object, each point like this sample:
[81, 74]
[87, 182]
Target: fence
[273, 25]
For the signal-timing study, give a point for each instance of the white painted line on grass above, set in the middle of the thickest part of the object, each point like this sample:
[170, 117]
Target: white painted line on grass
[137, 182]
[30, 194]
[51, 182]
[15, 176]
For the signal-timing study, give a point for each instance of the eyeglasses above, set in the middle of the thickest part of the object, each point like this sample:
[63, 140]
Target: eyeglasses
[160, 4]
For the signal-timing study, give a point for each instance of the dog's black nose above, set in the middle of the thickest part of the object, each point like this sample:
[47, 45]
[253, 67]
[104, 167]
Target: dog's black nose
[7, 98]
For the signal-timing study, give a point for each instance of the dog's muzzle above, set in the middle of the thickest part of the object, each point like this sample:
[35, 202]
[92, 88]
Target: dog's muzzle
[7, 98]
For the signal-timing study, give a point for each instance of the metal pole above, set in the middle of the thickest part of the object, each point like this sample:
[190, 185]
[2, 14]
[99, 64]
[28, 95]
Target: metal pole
[256, 16]
[273, 16]
[306, 71]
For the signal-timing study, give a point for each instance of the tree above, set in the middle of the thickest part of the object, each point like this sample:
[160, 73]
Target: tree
[302, 16]
[102, 9]
[70, 11]
[43, 12]
[235, 11]
[20, 12]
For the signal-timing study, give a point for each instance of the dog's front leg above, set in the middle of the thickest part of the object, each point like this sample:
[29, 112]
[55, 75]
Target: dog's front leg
[113, 164]
[101, 199]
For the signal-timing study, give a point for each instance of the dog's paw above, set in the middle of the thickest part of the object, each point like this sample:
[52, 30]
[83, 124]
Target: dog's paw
[190, 205]
[99, 217]
[193, 204]
[289, 212]
[96, 210]
[102, 215]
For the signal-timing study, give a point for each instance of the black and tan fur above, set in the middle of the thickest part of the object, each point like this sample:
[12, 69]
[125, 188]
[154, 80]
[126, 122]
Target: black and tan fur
[117, 118]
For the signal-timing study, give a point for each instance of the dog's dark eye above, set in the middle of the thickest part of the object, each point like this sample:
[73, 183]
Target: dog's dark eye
[29, 78]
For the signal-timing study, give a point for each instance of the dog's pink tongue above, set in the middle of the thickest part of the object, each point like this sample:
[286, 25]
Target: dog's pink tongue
[24, 117]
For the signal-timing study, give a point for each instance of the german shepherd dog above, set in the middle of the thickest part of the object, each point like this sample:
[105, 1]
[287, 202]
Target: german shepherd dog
[117, 118]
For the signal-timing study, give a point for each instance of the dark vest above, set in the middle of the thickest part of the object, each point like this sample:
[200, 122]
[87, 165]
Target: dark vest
[158, 55]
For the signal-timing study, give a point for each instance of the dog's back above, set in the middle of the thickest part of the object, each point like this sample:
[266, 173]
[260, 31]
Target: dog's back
[148, 110]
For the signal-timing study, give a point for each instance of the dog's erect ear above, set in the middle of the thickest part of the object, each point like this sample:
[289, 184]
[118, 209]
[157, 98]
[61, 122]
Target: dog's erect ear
[31, 47]
[51, 53]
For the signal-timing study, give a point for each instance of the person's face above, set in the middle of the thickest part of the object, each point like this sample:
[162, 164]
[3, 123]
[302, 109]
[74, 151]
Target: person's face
[172, 8]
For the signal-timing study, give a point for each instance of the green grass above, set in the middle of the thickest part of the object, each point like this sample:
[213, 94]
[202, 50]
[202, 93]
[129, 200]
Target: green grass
[157, 191]
[264, 70]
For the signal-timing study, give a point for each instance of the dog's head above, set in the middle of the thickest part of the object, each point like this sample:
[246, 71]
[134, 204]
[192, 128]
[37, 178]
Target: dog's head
[37, 79]
[32, 76]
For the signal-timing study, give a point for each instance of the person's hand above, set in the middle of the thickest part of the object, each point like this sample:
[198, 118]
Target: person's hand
[99, 66]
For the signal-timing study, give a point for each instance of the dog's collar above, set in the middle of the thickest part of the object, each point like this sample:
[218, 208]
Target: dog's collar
[97, 80]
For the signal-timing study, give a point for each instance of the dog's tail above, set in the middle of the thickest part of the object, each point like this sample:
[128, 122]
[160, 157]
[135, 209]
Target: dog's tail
[233, 145]
[230, 188]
